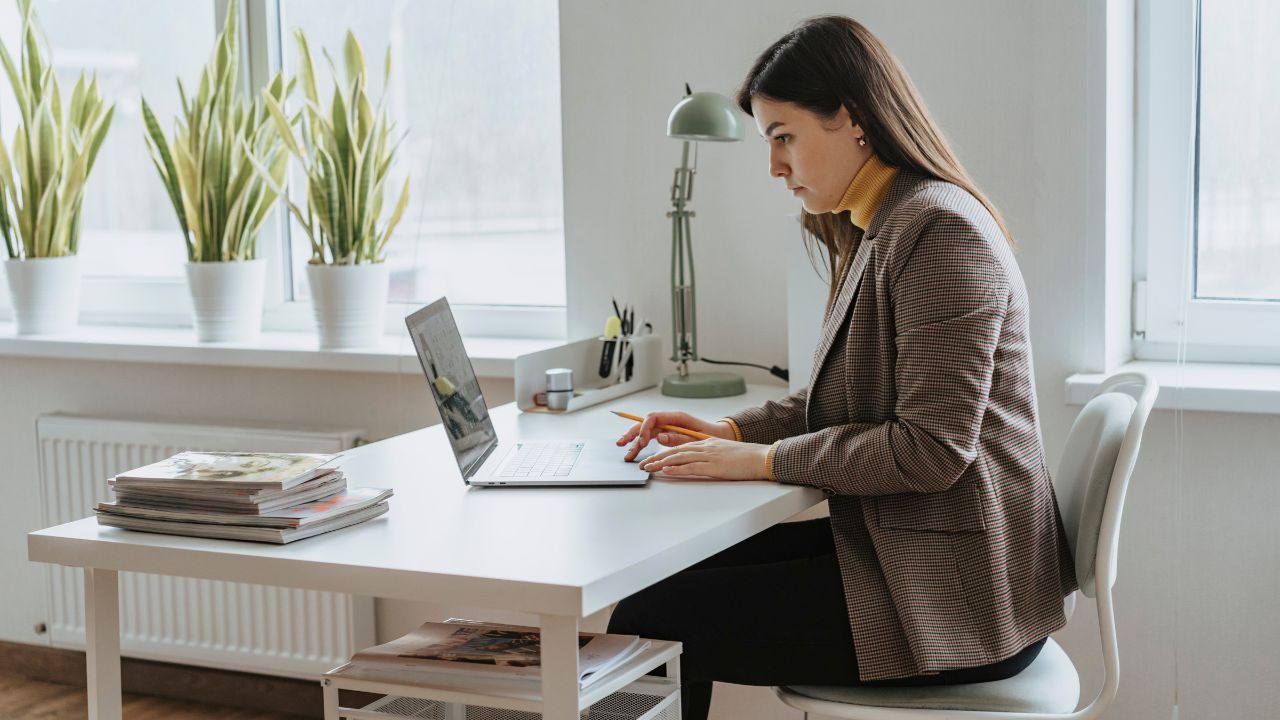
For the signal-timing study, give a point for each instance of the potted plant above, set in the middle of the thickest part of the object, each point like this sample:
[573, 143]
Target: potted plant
[346, 152]
[221, 200]
[42, 177]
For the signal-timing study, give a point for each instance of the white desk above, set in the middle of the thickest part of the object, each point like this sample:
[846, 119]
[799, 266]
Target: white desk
[560, 553]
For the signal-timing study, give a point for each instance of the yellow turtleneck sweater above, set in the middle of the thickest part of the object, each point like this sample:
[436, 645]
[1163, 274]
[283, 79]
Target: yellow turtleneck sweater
[867, 191]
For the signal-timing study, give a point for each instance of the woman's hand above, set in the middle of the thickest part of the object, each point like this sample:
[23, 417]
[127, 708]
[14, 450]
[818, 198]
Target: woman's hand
[648, 430]
[714, 458]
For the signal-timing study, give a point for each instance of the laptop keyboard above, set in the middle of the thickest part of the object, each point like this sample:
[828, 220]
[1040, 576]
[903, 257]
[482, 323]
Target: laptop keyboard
[541, 459]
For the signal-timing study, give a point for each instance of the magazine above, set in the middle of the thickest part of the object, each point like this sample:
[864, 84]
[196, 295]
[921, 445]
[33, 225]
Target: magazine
[241, 532]
[278, 471]
[301, 515]
[233, 500]
[486, 649]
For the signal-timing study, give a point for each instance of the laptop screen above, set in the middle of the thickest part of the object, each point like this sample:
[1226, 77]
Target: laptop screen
[453, 384]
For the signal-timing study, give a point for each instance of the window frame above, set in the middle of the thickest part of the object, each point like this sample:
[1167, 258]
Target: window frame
[165, 302]
[1167, 317]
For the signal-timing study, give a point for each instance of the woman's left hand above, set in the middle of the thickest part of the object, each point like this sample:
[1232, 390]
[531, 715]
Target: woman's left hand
[714, 458]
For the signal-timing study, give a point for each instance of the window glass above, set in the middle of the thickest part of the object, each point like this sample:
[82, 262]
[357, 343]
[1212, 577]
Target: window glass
[142, 46]
[477, 87]
[1238, 187]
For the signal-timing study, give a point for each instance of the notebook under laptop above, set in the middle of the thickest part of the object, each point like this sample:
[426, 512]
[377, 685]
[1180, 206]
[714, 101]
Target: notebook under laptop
[482, 459]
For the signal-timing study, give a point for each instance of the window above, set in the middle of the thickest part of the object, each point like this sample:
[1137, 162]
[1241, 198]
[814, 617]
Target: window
[128, 227]
[1208, 220]
[475, 85]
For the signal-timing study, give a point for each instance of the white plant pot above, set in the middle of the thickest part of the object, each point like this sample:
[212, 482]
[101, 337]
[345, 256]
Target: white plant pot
[349, 303]
[45, 294]
[227, 299]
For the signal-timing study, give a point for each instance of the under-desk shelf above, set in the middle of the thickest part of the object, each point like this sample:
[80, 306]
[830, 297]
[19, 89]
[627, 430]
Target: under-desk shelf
[626, 692]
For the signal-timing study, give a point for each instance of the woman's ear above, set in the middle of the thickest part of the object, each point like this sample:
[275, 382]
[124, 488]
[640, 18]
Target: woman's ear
[851, 114]
[860, 135]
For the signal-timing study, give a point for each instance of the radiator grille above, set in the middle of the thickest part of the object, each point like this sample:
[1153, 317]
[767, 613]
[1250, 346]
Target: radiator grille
[235, 626]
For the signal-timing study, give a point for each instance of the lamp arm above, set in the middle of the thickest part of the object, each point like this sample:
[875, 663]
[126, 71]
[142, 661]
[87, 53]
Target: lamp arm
[683, 316]
[693, 293]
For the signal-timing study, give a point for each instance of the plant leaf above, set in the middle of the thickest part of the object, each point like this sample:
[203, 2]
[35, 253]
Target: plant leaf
[401, 204]
[306, 69]
[353, 57]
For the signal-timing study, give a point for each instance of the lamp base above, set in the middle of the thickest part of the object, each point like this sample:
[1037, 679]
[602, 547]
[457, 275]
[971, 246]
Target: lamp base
[704, 385]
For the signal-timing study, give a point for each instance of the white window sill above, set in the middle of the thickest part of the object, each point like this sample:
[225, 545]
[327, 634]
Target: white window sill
[491, 357]
[1212, 387]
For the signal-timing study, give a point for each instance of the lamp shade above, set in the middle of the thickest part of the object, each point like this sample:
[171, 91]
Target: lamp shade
[705, 116]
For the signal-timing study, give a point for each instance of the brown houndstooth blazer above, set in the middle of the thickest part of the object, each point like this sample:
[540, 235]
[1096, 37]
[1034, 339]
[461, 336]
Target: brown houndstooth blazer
[946, 526]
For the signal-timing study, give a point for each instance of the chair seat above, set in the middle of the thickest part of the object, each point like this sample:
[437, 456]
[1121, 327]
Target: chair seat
[1048, 685]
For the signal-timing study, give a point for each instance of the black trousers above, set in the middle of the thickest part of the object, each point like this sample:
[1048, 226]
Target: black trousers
[768, 611]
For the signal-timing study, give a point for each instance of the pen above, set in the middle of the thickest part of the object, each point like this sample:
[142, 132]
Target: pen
[672, 428]
[634, 331]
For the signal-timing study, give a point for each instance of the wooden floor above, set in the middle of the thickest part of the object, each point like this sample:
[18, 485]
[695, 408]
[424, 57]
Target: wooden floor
[23, 699]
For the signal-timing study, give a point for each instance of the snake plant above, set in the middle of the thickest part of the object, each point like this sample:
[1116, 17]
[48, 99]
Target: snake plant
[44, 170]
[209, 168]
[346, 153]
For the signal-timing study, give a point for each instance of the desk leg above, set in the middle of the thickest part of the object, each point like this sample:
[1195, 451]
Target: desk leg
[102, 641]
[559, 667]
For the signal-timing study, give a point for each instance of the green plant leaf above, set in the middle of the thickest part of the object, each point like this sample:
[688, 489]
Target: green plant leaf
[401, 204]
[282, 125]
[341, 132]
[353, 56]
[306, 69]
[98, 133]
[55, 101]
[15, 82]
[45, 219]
[34, 68]
[46, 145]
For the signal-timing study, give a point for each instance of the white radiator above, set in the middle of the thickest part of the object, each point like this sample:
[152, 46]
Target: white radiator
[234, 626]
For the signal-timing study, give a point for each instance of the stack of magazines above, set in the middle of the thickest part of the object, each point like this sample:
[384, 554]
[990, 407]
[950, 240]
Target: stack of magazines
[268, 497]
[467, 647]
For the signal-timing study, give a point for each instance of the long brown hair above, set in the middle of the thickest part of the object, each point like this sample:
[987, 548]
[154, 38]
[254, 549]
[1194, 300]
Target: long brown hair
[831, 62]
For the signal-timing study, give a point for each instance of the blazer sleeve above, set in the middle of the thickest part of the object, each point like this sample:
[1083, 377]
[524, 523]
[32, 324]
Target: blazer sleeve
[774, 420]
[949, 302]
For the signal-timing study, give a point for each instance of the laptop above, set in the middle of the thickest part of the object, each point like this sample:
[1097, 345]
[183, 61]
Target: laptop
[482, 458]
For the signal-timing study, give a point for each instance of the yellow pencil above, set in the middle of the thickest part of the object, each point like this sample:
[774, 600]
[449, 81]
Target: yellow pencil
[672, 428]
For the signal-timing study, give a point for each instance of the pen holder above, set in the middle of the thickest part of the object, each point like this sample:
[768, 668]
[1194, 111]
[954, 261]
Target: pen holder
[583, 357]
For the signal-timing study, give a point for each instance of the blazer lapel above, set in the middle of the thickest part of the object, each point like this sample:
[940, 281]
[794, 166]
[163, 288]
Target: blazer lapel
[835, 320]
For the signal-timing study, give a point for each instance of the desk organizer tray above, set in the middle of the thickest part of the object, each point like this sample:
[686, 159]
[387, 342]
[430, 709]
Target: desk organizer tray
[583, 357]
[626, 693]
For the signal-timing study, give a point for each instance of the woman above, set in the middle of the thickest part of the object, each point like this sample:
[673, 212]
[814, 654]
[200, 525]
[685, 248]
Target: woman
[944, 559]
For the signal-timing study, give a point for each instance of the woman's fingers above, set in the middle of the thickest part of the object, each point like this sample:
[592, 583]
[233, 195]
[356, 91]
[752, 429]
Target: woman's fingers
[631, 432]
[672, 439]
[688, 452]
[635, 449]
[693, 468]
[650, 429]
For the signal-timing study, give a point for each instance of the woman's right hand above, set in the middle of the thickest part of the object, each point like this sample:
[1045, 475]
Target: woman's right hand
[648, 430]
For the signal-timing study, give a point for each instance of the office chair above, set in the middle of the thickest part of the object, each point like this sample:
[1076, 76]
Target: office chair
[1101, 451]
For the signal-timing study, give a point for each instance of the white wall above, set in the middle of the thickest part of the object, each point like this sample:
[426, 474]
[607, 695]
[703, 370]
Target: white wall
[1014, 85]
[1009, 82]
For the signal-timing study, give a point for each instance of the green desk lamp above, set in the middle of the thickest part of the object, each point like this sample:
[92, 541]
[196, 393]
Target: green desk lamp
[698, 116]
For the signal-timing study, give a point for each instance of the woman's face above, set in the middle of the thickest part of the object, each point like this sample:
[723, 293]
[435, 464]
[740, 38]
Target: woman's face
[816, 159]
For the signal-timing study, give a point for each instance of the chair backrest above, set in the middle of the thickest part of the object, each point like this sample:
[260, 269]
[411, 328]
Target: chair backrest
[1101, 451]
